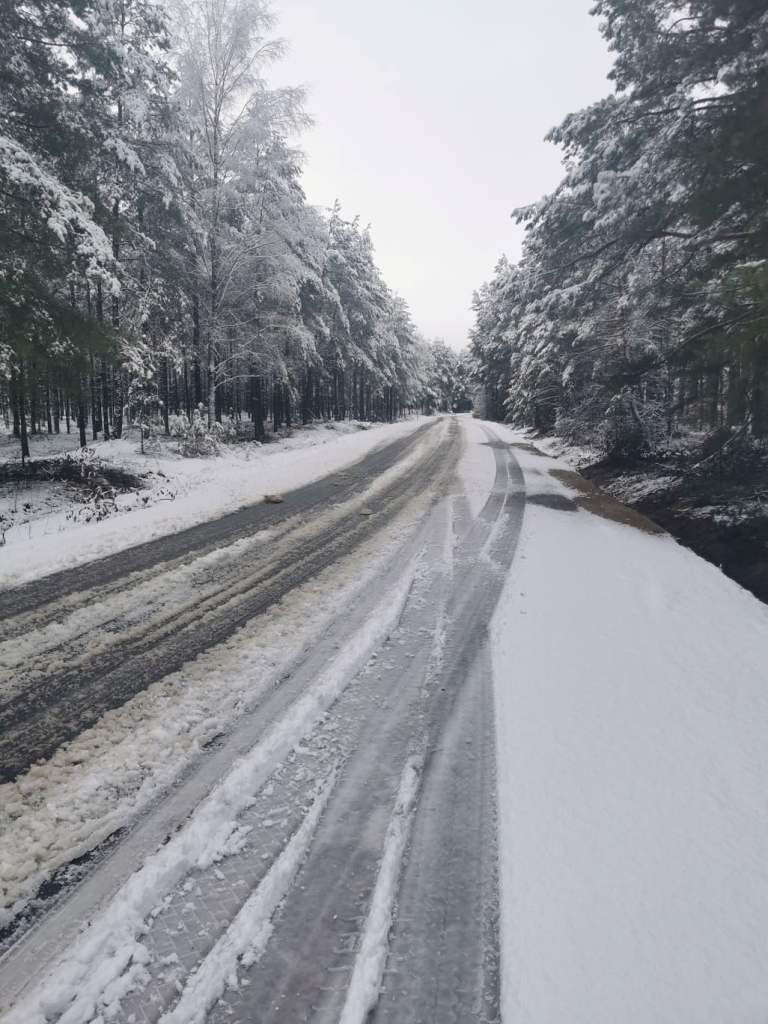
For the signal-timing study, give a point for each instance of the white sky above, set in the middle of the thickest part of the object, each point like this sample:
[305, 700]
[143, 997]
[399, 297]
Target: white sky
[429, 123]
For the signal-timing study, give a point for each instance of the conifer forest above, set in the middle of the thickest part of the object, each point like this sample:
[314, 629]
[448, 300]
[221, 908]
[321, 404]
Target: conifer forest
[639, 308]
[378, 645]
[158, 260]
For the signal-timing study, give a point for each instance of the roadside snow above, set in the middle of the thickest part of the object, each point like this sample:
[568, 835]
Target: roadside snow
[634, 487]
[203, 488]
[632, 711]
[573, 455]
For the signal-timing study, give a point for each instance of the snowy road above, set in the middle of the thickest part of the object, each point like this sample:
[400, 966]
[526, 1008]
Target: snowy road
[80, 642]
[369, 768]
[434, 740]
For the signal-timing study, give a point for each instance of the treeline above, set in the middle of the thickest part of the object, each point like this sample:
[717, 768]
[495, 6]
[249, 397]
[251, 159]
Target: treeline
[640, 305]
[157, 254]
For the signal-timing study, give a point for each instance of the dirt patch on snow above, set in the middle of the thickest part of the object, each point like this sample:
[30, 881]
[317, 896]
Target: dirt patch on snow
[724, 521]
[600, 503]
[531, 449]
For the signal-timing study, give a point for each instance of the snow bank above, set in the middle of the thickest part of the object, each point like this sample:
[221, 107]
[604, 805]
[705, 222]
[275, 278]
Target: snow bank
[574, 455]
[632, 711]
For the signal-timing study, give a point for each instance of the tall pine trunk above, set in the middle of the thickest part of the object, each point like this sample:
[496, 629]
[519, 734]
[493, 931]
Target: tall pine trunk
[21, 401]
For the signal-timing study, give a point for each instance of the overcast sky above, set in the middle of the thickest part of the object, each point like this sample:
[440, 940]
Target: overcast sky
[429, 123]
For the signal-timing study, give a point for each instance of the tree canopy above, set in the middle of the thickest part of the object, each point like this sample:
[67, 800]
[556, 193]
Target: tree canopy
[640, 301]
[156, 248]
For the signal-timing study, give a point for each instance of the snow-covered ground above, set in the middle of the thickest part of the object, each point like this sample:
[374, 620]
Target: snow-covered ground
[574, 455]
[631, 715]
[632, 709]
[180, 492]
[110, 773]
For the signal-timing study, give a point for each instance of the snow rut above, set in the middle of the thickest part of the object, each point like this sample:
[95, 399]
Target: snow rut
[87, 979]
[37, 720]
[361, 876]
[76, 586]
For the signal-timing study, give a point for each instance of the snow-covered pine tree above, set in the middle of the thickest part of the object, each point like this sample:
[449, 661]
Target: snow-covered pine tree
[644, 273]
[50, 241]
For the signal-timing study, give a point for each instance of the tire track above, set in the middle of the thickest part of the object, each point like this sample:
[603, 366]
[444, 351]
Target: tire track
[95, 580]
[432, 692]
[444, 952]
[444, 937]
[35, 723]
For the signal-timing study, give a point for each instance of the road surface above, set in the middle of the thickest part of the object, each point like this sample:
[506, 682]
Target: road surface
[446, 736]
[356, 880]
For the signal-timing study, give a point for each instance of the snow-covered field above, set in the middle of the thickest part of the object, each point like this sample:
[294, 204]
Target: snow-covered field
[181, 492]
[632, 709]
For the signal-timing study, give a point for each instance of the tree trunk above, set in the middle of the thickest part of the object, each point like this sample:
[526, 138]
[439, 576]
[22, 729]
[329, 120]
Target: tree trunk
[21, 400]
[211, 385]
[32, 384]
[105, 399]
[95, 423]
[48, 416]
[81, 415]
[258, 409]
[166, 394]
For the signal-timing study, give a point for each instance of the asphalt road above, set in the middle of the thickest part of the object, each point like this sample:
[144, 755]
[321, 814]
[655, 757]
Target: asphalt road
[424, 698]
[68, 686]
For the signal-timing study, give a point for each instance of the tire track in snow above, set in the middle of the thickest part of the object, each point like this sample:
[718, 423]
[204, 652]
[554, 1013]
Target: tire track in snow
[443, 959]
[34, 724]
[180, 596]
[247, 936]
[305, 969]
[321, 941]
[317, 984]
[363, 991]
[72, 989]
[76, 586]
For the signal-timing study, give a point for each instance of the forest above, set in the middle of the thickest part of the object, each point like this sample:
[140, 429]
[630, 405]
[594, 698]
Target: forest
[159, 263]
[638, 313]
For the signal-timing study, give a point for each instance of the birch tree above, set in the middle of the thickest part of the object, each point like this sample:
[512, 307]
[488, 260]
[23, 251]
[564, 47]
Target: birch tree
[226, 48]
